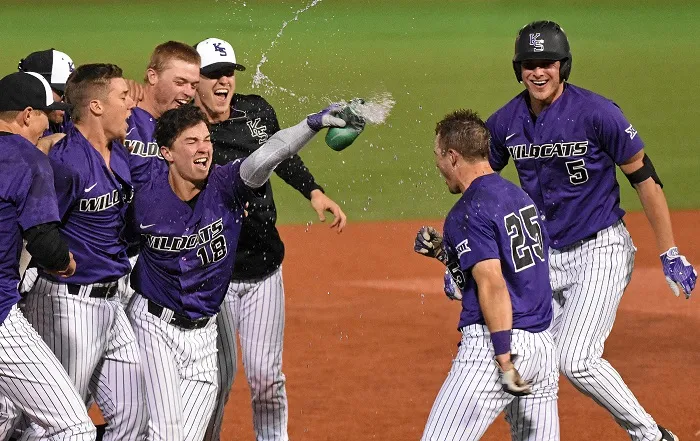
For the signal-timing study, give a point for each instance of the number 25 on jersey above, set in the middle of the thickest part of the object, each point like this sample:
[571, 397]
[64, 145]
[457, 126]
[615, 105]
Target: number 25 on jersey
[520, 226]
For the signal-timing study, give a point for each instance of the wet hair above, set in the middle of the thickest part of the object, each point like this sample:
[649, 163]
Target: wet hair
[175, 121]
[172, 50]
[464, 132]
[89, 82]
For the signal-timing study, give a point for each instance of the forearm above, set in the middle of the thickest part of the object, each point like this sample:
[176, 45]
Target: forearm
[47, 248]
[496, 308]
[656, 210]
[257, 168]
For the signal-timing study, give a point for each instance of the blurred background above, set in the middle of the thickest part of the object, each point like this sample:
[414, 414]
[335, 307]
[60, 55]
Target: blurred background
[431, 56]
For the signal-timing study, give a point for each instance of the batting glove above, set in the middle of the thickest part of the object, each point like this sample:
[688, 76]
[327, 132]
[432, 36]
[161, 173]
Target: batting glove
[512, 383]
[429, 243]
[328, 117]
[680, 274]
[451, 289]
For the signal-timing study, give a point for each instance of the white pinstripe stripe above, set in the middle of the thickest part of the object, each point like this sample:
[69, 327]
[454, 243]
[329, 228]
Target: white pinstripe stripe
[255, 310]
[180, 371]
[471, 397]
[588, 281]
[36, 383]
[94, 341]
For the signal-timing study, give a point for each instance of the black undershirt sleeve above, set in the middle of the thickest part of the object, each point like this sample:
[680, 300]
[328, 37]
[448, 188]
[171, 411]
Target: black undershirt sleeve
[296, 174]
[47, 247]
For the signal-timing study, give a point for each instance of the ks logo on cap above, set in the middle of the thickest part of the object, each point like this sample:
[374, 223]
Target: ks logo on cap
[536, 42]
[220, 49]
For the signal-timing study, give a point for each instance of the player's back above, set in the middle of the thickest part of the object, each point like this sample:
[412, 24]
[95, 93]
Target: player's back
[495, 219]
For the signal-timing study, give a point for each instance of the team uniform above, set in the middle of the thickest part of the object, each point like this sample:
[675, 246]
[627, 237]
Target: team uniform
[143, 149]
[254, 303]
[566, 160]
[494, 219]
[81, 317]
[30, 375]
[187, 251]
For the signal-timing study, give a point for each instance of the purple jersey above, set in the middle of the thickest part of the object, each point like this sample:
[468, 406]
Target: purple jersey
[145, 158]
[92, 202]
[27, 199]
[566, 159]
[187, 254]
[494, 219]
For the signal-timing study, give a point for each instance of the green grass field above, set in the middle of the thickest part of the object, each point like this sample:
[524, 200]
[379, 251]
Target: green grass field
[432, 56]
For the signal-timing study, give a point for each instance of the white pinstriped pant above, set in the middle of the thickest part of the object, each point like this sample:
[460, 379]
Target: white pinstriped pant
[180, 370]
[471, 397]
[94, 342]
[588, 281]
[254, 309]
[33, 381]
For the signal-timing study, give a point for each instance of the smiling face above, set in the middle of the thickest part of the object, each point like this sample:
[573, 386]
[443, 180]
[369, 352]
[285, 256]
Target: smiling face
[542, 81]
[175, 85]
[189, 156]
[214, 94]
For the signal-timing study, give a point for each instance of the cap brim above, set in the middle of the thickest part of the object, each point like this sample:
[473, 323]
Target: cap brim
[58, 86]
[218, 66]
[538, 56]
[58, 106]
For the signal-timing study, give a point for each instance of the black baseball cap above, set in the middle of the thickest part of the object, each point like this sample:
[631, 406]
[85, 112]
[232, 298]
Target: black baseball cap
[20, 90]
[53, 65]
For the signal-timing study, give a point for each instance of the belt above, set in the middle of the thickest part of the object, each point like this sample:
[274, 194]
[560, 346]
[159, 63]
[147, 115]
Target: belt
[176, 319]
[98, 292]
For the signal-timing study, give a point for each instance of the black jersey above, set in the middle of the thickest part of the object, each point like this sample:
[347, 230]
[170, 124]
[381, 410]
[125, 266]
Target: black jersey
[253, 120]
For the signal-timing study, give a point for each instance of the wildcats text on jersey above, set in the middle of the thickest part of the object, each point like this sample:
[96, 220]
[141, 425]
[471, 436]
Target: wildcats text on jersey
[100, 203]
[138, 148]
[558, 149]
[179, 243]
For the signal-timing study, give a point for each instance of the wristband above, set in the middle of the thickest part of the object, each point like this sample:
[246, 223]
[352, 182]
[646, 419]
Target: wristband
[501, 341]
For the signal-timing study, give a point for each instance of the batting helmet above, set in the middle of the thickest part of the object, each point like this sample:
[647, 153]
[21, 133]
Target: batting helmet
[542, 40]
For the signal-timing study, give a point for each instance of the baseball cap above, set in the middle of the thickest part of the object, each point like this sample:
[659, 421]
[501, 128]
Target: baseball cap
[216, 55]
[53, 65]
[20, 90]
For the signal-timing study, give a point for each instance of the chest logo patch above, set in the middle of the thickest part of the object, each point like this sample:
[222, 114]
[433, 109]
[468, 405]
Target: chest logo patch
[258, 131]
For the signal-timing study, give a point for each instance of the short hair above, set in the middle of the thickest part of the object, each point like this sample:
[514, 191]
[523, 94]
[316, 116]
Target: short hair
[9, 115]
[464, 132]
[88, 82]
[172, 50]
[175, 121]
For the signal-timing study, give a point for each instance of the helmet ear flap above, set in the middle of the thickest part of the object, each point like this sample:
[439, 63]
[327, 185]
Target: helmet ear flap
[565, 69]
[518, 71]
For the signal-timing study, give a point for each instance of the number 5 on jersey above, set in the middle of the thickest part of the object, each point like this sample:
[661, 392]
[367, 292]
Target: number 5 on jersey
[519, 225]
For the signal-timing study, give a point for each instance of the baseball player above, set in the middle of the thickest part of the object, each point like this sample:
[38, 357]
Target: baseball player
[171, 80]
[565, 142]
[189, 221]
[81, 317]
[30, 375]
[496, 252]
[254, 303]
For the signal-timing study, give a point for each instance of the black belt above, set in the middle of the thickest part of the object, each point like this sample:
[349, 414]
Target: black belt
[178, 320]
[98, 292]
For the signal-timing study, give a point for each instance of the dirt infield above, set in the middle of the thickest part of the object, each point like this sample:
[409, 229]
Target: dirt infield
[370, 337]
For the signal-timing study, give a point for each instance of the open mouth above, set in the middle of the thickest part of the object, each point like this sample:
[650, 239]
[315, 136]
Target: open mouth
[539, 83]
[201, 163]
[182, 102]
[221, 94]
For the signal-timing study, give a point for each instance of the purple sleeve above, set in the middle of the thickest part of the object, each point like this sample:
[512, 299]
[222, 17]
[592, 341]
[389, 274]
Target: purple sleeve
[227, 178]
[37, 204]
[617, 136]
[67, 184]
[470, 240]
[498, 154]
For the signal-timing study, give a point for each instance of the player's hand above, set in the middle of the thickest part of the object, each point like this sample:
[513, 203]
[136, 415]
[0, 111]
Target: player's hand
[135, 90]
[451, 289]
[680, 274]
[46, 142]
[511, 381]
[328, 117]
[322, 203]
[69, 270]
[429, 243]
